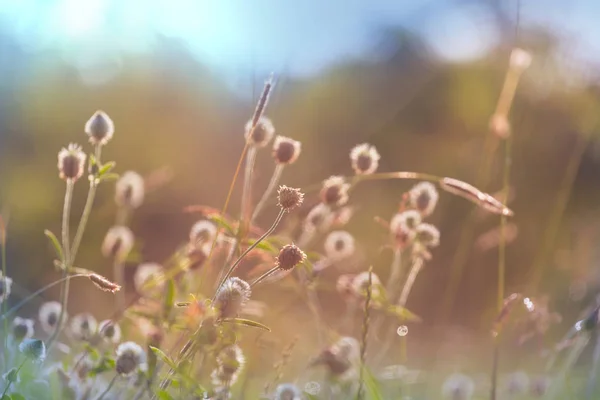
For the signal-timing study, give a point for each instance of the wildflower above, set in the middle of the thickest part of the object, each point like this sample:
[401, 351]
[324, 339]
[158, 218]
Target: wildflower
[289, 256]
[458, 387]
[428, 235]
[540, 385]
[118, 242]
[286, 150]
[423, 196]
[130, 357]
[232, 296]
[339, 245]
[517, 383]
[104, 284]
[365, 159]
[83, 326]
[520, 60]
[71, 162]
[261, 134]
[319, 217]
[130, 190]
[203, 231]
[5, 286]
[109, 331]
[287, 391]
[48, 314]
[289, 198]
[406, 221]
[360, 282]
[100, 128]
[34, 349]
[148, 275]
[334, 191]
[22, 328]
[230, 362]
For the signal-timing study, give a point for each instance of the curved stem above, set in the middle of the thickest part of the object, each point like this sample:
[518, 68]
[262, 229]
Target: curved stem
[6, 389]
[412, 276]
[110, 386]
[264, 276]
[268, 192]
[251, 247]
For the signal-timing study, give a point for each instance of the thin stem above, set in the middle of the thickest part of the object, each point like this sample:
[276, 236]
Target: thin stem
[119, 277]
[410, 280]
[268, 192]
[20, 304]
[230, 254]
[6, 389]
[264, 276]
[395, 275]
[365, 333]
[247, 190]
[110, 386]
[4, 303]
[251, 247]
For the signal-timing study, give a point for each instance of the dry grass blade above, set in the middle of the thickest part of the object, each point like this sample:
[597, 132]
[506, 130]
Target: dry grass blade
[471, 193]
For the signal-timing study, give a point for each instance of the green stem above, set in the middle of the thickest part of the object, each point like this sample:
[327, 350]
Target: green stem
[246, 192]
[6, 389]
[110, 386]
[264, 276]
[272, 184]
[395, 276]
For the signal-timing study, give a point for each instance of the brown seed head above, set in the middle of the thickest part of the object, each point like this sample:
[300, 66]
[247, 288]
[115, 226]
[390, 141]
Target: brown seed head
[286, 150]
[104, 284]
[289, 256]
[289, 198]
[334, 191]
[71, 162]
[100, 128]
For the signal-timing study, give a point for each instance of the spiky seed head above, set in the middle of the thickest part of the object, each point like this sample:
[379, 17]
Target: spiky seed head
[320, 217]
[83, 326]
[5, 287]
[48, 314]
[203, 231]
[286, 150]
[427, 235]
[520, 59]
[33, 349]
[130, 357]
[232, 296]
[334, 191]
[100, 128]
[500, 126]
[71, 162]
[261, 134]
[458, 387]
[230, 362]
[289, 256]
[339, 245]
[109, 331]
[148, 276]
[288, 391]
[289, 198]
[104, 284]
[118, 242]
[22, 328]
[364, 158]
[130, 190]
[423, 197]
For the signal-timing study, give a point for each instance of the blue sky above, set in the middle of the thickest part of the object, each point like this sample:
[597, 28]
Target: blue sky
[298, 37]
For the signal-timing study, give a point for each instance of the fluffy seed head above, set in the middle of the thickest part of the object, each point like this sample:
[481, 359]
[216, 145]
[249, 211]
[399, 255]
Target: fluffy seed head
[130, 190]
[104, 284]
[289, 256]
[83, 326]
[34, 349]
[458, 387]
[130, 357]
[118, 242]
[289, 198]
[71, 161]
[261, 134]
[342, 359]
[423, 197]
[428, 235]
[406, 221]
[520, 60]
[320, 217]
[100, 128]
[288, 391]
[230, 362]
[334, 191]
[360, 282]
[147, 276]
[339, 245]
[48, 314]
[232, 296]
[22, 328]
[5, 287]
[203, 231]
[364, 158]
[286, 150]
[109, 331]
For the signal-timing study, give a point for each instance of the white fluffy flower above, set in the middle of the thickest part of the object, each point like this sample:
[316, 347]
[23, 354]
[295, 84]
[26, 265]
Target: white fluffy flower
[83, 326]
[147, 276]
[130, 357]
[339, 245]
[424, 197]
[48, 314]
[130, 190]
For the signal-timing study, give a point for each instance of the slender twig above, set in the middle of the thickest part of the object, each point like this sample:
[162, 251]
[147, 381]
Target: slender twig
[108, 388]
[268, 192]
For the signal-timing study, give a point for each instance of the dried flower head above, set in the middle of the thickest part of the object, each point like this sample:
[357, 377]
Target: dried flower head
[104, 284]
[71, 161]
[261, 134]
[288, 391]
[109, 331]
[147, 276]
[334, 191]
[118, 242]
[33, 349]
[289, 198]
[500, 126]
[423, 197]
[83, 326]
[230, 362]
[458, 387]
[364, 158]
[5, 287]
[203, 231]
[49, 313]
[520, 60]
[286, 150]
[232, 296]
[517, 383]
[339, 245]
[100, 128]
[289, 256]
[427, 235]
[319, 217]
[130, 357]
[22, 328]
[130, 190]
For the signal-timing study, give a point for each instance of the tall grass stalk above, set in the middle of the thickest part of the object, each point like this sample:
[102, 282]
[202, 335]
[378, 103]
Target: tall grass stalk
[395, 276]
[268, 192]
[417, 266]
[364, 336]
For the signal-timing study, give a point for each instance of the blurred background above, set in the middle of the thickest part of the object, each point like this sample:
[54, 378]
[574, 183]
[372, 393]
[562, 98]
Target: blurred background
[417, 79]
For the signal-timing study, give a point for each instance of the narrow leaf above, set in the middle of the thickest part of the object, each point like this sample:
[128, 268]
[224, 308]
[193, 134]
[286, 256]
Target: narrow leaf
[165, 358]
[55, 243]
[247, 322]
[169, 298]
[106, 168]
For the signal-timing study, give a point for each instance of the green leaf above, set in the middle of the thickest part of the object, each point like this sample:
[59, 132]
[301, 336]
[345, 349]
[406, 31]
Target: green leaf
[247, 322]
[264, 245]
[165, 358]
[106, 364]
[55, 243]
[106, 168]
[164, 395]
[220, 221]
[371, 385]
[17, 396]
[108, 177]
[6, 397]
[169, 298]
[12, 375]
